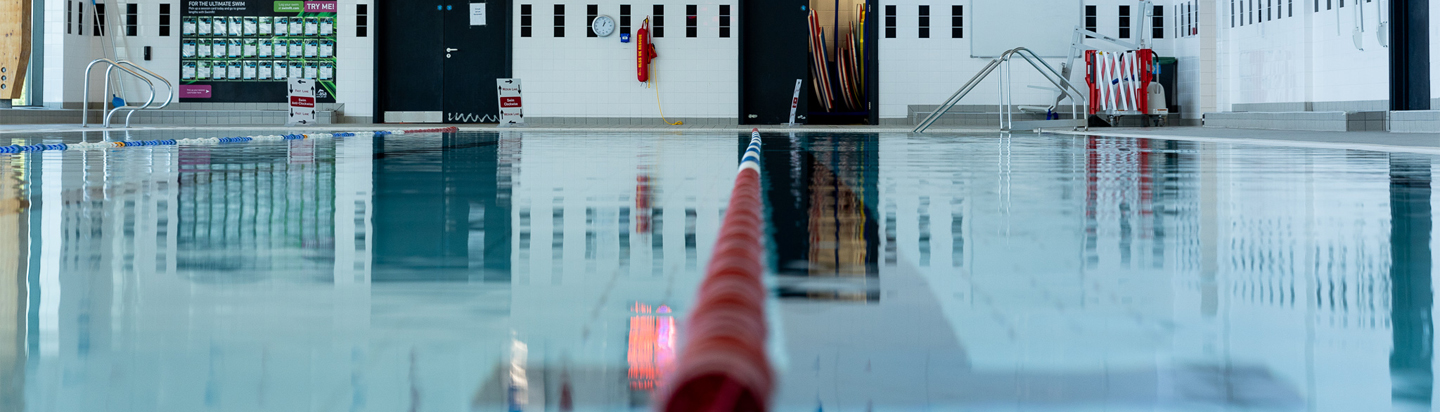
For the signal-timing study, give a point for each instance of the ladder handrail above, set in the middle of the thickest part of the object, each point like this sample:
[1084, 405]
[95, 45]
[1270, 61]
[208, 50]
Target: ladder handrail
[169, 90]
[127, 105]
[168, 86]
[85, 97]
[959, 94]
[133, 69]
[1046, 71]
[1064, 84]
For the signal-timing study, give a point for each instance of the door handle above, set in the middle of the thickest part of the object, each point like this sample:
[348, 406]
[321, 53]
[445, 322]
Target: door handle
[447, 50]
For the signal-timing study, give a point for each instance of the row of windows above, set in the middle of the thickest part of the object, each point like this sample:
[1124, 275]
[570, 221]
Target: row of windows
[592, 11]
[1187, 19]
[75, 19]
[957, 21]
[1260, 11]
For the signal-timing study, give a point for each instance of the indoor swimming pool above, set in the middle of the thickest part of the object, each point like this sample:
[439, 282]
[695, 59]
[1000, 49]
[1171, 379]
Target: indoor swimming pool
[536, 271]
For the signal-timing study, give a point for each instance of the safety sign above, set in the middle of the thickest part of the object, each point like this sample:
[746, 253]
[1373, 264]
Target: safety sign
[302, 102]
[512, 111]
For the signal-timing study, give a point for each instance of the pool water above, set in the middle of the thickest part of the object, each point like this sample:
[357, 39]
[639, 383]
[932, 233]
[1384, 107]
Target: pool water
[553, 271]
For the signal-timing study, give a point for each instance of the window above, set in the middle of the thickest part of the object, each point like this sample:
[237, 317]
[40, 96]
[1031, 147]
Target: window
[1124, 22]
[924, 21]
[1232, 13]
[1194, 19]
[1291, 6]
[890, 21]
[165, 19]
[1090, 19]
[362, 20]
[1269, 10]
[559, 20]
[591, 12]
[1329, 4]
[525, 20]
[132, 19]
[99, 16]
[692, 21]
[69, 14]
[625, 18]
[1158, 23]
[80, 18]
[724, 21]
[657, 26]
[957, 22]
[1185, 19]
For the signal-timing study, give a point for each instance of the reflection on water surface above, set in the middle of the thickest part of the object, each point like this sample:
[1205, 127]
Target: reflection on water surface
[554, 271]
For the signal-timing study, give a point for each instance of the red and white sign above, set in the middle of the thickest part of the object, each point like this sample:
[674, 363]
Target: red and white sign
[297, 101]
[302, 102]
[512, 112]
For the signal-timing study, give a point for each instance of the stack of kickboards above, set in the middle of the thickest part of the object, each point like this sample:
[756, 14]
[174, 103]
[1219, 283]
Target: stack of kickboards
[847, 76]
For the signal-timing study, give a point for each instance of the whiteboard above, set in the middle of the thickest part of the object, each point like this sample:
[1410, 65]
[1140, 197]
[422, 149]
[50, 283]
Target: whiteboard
[1046, 27]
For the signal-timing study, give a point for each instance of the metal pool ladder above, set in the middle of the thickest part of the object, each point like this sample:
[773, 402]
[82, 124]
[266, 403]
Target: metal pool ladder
[1007, 117]
[132, 69]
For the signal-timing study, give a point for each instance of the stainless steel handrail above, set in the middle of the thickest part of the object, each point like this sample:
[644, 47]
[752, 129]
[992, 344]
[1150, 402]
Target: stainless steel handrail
[130, 67]
[169, 92]
[127, 105]
[1076, 96]
[85, 97]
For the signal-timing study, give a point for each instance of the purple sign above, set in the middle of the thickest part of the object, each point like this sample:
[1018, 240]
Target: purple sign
[321, 7]
[194, 92]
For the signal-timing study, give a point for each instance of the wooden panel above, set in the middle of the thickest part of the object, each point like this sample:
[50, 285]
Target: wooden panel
[14, 46]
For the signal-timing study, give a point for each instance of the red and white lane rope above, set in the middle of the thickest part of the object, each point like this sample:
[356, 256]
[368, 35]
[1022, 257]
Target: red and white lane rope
[723, 365]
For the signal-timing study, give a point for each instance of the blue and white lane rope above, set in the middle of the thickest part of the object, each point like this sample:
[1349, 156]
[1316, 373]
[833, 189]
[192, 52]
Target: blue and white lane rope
[751, 159]
[199, 141]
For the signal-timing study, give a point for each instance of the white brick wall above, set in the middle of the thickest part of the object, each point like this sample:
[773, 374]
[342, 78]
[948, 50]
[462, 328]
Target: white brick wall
[579, 76]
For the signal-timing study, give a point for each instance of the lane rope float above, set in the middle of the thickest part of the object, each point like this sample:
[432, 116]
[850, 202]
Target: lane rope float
[724, 365]
[199, 141]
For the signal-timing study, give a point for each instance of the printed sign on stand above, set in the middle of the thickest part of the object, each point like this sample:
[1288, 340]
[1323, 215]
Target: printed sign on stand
[512, 111]
[302, 102]
[795, 101]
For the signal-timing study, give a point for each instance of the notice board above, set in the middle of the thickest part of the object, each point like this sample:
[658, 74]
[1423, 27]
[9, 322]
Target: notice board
[246, 50]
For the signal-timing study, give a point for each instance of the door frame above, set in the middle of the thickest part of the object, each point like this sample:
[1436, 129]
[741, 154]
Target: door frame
[378, 27]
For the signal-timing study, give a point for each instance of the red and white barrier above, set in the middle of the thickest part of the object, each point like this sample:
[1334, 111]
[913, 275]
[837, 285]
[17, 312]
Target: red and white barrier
[1119, 82]
[723, 365]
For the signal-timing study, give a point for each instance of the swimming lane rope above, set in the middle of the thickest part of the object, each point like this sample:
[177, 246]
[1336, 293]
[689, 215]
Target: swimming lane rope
[723, 365]
[200, 141]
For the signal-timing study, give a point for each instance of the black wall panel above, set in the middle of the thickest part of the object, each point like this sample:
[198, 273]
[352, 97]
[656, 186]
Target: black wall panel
[774, 50]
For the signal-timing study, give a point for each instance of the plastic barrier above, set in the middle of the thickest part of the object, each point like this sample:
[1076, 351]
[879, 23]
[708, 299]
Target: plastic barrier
[723, 365]
[208, 140]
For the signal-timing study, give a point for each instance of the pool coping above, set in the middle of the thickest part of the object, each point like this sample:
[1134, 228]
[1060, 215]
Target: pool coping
[1420, 143]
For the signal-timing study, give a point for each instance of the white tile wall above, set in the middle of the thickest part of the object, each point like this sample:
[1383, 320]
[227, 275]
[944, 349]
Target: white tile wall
[1310, 57]
[915, 71]
[579, 76]
[354, 73]
[1434, 51]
